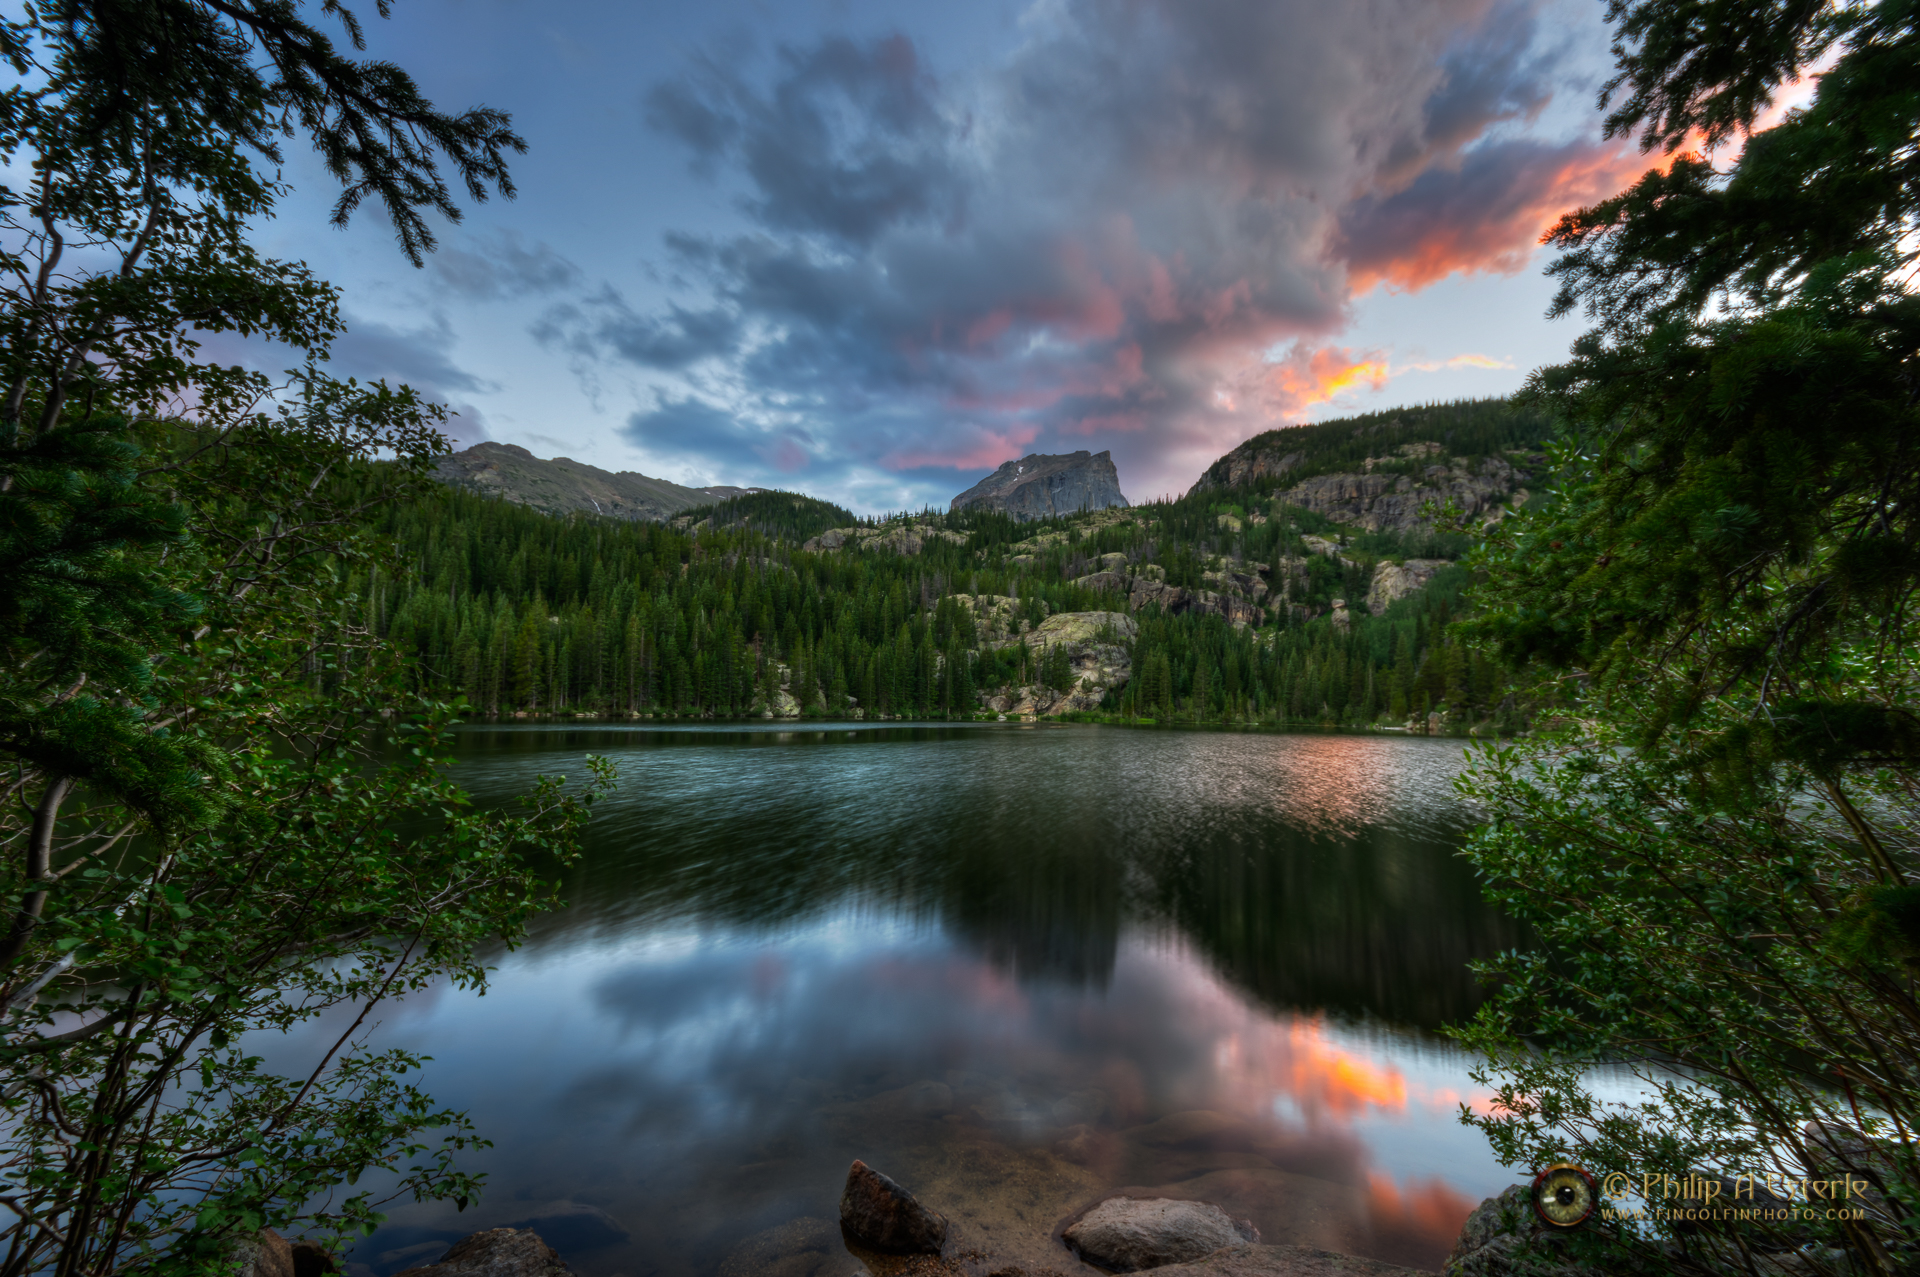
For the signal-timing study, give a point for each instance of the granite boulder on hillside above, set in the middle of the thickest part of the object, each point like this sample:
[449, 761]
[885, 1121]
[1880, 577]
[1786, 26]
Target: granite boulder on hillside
[1039, 486]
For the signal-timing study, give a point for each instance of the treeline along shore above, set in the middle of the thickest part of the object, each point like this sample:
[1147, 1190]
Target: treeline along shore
[1232, 603]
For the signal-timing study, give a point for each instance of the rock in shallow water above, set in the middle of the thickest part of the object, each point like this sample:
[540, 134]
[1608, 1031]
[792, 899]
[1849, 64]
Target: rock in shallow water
[572, 1226]
[802, 1247]
[497, 1252]
[1128, 1234]
[885, 1216]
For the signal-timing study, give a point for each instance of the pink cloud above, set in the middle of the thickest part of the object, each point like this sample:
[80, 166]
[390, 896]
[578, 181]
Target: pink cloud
[983, 449]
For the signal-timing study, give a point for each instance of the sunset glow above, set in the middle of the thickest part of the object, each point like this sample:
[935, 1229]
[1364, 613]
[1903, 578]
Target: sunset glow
[872, 257]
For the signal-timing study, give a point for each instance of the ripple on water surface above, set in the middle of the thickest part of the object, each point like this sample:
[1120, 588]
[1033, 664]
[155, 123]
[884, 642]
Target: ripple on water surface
[1015, 968]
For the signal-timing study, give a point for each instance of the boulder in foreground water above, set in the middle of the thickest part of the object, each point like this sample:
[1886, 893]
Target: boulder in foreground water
[884, 1216]
[497, 1252]
[1128, 1234]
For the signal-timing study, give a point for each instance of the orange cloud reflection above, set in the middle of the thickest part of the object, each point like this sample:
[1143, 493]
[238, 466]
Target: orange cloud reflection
[1422, 1215]
[1320, 1074]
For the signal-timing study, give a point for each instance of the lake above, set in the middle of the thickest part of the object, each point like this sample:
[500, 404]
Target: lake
[1015, 967]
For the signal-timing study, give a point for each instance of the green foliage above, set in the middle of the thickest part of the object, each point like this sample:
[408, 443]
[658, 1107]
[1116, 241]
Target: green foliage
[1719, 856]
[219, 811]
[789, 516]
[520, 611]
[130, 75]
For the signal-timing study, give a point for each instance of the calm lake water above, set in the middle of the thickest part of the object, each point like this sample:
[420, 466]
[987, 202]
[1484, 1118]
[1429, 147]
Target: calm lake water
[1014, 967]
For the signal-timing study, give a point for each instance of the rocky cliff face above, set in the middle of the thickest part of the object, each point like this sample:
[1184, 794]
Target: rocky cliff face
[1395, 581]
[901, 538]
[563, 485]
[1392, 502]
[1096, 649]
[1039, 486]
[1387, 498]
[1246, 464]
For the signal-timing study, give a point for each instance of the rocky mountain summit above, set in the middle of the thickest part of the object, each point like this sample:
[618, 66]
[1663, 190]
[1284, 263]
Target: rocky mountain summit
[1039, 486]
[563, 485]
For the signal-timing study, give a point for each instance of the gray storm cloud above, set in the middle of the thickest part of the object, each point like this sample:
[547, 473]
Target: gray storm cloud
[1144, 228]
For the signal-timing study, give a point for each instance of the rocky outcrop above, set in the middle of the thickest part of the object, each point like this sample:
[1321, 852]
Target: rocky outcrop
[1382, 495]
[1394, 581]
[996, 617]
[1126, 1234]
[1096, 644]
[1504, 1238]
[884, 1216]
[268, 1254]
[563, 485]
[1040, 486]
[1393, 502]
[263, 1254]
[901, 538]
[1258, 458]
[1238, 592]
[497, 1252]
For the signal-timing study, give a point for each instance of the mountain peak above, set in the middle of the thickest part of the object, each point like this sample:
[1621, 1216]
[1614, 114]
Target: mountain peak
[1040, 485]
[563, 485]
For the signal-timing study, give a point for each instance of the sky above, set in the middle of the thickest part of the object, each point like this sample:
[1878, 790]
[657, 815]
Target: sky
[870, 251]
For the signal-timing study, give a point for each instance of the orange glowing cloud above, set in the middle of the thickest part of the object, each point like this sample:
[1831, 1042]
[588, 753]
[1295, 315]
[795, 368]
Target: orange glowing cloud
[1279, 389]
[1458, 361]
[1486, 217]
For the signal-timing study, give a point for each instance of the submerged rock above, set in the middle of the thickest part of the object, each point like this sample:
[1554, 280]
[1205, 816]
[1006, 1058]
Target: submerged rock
[1128, 1234]
[881, 1214]
[1284, 1261]
[803, 1247]
[573, 1226]
[497, 1252]
[1189, 1128]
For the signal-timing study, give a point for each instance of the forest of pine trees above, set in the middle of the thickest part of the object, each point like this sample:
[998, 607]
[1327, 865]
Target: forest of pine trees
[718, 613]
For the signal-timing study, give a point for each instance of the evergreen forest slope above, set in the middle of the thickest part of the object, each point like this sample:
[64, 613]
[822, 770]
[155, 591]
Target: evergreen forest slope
[1238, 602]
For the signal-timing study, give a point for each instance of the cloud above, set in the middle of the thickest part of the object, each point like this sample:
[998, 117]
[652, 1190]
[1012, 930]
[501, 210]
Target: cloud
[500, 268]
[1144, 229]
[1485, 215]
[690, 427]
[421, 357]
[1455, 363]
[605, 325]
[849, 143]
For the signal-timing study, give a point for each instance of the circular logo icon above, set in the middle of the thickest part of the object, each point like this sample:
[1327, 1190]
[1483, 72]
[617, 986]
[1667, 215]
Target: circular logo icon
[1564, 1195]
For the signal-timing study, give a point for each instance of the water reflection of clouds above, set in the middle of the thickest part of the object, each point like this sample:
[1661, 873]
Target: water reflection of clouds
[599, 1068]
[971, 940]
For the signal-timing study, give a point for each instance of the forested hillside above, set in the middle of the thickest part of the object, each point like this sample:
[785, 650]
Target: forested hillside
[1223, 605]
[1392, 442]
